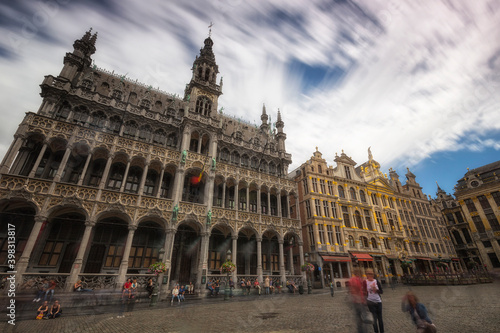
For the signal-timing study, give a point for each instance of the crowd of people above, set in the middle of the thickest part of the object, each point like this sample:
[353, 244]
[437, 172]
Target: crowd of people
[366, 298]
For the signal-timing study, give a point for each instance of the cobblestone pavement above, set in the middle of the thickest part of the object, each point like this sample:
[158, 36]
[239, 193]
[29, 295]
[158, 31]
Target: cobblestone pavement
[472, 308]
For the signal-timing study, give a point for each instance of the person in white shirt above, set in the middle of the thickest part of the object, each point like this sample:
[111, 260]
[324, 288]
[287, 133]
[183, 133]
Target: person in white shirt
[373, 290]
[175, 293]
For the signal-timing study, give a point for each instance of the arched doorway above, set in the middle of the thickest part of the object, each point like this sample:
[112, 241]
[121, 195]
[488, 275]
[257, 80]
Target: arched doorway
[185, 254]
[247, 252]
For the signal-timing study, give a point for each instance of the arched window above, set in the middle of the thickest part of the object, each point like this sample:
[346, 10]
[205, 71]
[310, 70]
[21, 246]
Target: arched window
[115, 123]
[63, 112]
[255, 163]
[352, 193]
[351, 241]
[359, 222]
[130, 129]
[263, 166]
[374, 243]
[80, 115]
[149, 185]
[116, 176]
[235, 158]
[319, 169]
[172, 140]
[133, 179]
[363, 242]
[160, 137]
[244, 160]
[341, 192]
[97, 120]
[224, 155]
[362, 196]
[272, 168]
[145, 133]
[203, 106]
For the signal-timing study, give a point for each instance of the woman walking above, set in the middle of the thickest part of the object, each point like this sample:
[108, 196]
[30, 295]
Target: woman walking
[374, 301]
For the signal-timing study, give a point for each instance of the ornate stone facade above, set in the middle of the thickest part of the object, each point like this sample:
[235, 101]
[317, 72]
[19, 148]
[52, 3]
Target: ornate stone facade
[358, 215]
[109, 174]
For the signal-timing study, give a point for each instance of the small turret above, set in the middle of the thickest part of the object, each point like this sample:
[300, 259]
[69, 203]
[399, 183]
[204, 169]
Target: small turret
[79, 59]
[264, 118]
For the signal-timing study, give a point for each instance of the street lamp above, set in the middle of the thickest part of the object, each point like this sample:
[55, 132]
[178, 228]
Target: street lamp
[227, 290]
[156, 291]
[309, 286]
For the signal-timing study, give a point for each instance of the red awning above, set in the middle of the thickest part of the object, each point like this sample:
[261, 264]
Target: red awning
[335, 259]
[422, 258]
[455, 259]
[362, 256]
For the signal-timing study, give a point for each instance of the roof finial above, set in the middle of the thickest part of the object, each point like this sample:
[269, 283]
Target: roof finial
[210, 29]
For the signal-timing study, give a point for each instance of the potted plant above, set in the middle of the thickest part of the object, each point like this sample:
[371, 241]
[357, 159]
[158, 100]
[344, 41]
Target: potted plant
[227, 267]
[157, 268]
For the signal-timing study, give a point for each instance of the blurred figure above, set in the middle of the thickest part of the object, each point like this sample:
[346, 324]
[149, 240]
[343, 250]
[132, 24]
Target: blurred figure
[418, 313]
[373, 291]
[357, 293]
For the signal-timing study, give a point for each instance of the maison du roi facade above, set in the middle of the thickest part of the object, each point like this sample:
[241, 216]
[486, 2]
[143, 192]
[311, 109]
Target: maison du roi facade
[356, 215]
[472, 216]
[110, 176]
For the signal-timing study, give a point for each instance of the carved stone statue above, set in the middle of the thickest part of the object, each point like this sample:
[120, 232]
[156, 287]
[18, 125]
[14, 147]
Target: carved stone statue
[214, 163]
[175, 213]
[183, 156]
[370, 156]
[209, 217]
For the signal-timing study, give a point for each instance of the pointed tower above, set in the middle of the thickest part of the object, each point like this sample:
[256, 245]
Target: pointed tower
[79, 59]
[203, 92]
[280, 136]
[264, 118]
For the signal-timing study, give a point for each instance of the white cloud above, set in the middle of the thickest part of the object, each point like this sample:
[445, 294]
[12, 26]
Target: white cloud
[419, 77]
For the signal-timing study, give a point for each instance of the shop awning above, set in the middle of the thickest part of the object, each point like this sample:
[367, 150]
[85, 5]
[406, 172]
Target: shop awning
[392, 257]
[335, 259]
[362, 256]
[455, 259]
[423, 258]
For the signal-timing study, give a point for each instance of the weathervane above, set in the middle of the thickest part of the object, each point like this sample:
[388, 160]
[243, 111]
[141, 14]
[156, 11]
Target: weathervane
[210, 29]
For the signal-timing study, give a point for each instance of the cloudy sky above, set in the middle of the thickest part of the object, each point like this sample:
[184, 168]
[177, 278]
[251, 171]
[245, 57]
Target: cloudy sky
[417, 81]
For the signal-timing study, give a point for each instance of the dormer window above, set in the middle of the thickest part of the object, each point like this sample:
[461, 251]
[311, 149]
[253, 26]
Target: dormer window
[347, 172]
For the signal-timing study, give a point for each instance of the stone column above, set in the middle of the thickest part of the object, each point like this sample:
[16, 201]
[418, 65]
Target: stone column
[259, 208]
[122, 272]
[282, 262]
[236, 197]
[278, 203]
[235, 255]
[38, 160]
[259, 258]
[77, 264]
[143, 178]
[332, 278]
[22, 263]
[125, 176]
[290, 264]
[268, 202]
[160, 182]
[106, 172]
[167, 258]
[248, 199]
[12, 153]
[341, 274]
[301, 258]
[84, 171]
[62, 166]
[178, 184]
[202, 265]
[224, 193]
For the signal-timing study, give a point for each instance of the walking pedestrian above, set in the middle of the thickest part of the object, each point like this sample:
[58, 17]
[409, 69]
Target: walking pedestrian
[418, 313]
[358, 299]
[374, 301]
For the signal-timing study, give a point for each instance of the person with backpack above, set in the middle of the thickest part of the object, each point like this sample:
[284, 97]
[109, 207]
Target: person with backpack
[373, 290]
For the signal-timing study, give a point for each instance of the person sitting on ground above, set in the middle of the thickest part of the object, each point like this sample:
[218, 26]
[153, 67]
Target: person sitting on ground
[182, 291]
[249, 286]
[50, 290]
[43, 310]
[190, 288]
[41, 291]
[210, 287]
[150, 287]
[79, 286]
[257, 286]
[55, 310]
[133, 288]
[175, 293]
[217, 287]
[126, 288]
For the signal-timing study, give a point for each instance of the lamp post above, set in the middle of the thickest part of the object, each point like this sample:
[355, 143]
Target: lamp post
[227, 290]
[309, 286]
[156, 291]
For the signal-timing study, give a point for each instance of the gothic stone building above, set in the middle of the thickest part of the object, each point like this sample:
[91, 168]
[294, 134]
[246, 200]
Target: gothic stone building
[110, 176]
[355, 215]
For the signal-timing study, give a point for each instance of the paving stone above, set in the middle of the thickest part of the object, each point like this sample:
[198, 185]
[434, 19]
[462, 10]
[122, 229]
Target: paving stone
[470, 308]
